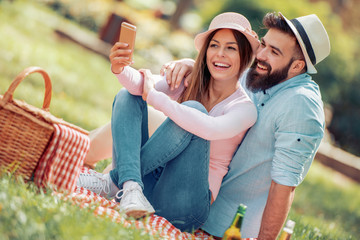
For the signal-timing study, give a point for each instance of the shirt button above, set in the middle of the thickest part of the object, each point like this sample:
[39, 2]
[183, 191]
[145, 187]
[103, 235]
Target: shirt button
[262, 104]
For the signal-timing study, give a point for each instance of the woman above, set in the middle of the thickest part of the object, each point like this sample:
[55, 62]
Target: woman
[177, 171]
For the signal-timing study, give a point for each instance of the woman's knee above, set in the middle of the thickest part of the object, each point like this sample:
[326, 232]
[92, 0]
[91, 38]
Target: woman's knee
[124, 97]
[195, 104]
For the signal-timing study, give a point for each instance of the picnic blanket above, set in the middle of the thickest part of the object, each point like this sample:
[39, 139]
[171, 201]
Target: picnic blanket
[60, 167]
[154, 225]
[60, 164]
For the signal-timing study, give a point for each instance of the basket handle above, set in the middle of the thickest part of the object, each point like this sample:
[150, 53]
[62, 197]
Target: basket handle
[8, 96]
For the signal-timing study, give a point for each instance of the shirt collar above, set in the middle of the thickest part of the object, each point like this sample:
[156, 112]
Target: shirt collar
[287, 84]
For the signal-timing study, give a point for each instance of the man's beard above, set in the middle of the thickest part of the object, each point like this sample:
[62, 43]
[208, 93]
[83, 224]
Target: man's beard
[256, 82]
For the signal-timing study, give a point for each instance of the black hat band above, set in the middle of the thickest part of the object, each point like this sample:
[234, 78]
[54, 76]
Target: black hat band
[305, 39]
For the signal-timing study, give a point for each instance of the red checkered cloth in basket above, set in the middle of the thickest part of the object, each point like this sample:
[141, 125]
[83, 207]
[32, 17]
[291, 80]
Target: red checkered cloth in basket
[154, 225]
[60, 165]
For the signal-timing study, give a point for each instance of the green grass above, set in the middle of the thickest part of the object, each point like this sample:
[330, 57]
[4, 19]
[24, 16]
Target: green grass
[325, 207]
[83, 86]
[27, 213]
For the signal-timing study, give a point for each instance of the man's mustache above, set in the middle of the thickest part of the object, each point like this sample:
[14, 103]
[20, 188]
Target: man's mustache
[263, 63]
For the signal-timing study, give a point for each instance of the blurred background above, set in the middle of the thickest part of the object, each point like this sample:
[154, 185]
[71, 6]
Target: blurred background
[166, 29]
[71, 40]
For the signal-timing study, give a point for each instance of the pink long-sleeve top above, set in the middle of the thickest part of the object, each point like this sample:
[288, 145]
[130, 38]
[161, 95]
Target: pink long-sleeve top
[224, 127]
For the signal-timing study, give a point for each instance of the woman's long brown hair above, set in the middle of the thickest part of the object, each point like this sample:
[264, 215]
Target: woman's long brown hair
[200, 76]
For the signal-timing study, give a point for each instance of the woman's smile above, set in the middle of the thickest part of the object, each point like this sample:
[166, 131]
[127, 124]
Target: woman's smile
[223, 58]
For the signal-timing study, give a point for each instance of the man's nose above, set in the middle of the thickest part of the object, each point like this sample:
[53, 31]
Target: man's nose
[261, 53]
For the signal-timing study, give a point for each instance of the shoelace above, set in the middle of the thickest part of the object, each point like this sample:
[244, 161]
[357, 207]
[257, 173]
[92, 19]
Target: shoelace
[119, 195]
[87, 182]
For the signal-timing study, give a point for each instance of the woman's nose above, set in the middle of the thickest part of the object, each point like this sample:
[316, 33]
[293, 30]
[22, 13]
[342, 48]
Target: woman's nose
[221, 52]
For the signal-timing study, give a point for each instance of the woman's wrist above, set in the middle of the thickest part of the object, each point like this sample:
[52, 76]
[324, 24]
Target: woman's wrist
[119, 70]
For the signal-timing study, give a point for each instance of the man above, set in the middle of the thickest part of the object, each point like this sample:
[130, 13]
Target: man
[278, 150]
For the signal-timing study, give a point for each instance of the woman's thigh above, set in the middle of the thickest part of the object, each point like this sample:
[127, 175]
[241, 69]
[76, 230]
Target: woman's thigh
[175, 170]
[179, 191]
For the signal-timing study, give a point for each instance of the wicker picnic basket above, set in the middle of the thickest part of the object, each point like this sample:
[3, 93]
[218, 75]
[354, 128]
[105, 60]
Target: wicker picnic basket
[25, 130]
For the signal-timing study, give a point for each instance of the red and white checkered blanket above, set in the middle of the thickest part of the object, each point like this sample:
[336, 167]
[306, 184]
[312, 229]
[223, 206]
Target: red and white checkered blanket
[60, 167]
[153, 225]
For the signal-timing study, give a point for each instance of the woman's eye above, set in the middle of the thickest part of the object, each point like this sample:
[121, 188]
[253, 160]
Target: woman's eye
[213, 45]
[232, 48]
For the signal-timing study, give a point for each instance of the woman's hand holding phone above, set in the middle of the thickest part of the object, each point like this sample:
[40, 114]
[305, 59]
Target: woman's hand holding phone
[121, 53]
[120, 56]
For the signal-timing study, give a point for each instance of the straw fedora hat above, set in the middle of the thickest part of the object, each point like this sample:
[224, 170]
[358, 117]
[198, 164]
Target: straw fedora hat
[229, 20]
[312, 37]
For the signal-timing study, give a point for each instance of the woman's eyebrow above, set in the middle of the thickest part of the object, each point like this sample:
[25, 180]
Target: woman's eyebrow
[226, 43]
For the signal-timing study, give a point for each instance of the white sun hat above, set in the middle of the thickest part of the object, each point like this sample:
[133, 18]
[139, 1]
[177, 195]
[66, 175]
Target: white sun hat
[312, 37]
[229, 20]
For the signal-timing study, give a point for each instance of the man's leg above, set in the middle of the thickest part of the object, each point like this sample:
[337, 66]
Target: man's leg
[100, 145]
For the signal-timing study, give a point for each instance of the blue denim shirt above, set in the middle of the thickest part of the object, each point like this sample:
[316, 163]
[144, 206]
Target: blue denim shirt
[280, 147]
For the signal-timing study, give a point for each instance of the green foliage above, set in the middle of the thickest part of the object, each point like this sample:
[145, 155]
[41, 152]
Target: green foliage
[83, 86]
[338, 75]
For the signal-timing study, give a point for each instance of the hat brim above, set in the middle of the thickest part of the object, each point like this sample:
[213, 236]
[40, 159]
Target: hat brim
[310, 67]
[250, 36]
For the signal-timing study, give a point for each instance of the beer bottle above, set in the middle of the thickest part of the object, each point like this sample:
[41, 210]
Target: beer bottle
[233, 232]
[287, 230]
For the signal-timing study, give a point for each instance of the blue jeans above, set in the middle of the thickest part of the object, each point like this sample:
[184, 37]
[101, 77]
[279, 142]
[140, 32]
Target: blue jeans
[172, 166]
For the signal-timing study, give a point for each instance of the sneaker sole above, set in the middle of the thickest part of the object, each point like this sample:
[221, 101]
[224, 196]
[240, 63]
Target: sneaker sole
[138, 213]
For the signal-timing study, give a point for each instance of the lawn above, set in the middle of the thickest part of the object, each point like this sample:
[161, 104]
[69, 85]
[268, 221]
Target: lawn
[326, 204]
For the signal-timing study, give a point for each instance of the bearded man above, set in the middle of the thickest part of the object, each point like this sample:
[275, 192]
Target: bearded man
[276, 153]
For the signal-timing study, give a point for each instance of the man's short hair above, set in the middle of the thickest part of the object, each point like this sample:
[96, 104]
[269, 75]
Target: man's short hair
[276, 21]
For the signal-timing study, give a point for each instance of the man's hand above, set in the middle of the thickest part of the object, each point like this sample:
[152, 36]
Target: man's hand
[149, 82]
[177, 71]
[276, 210]
[119, 57]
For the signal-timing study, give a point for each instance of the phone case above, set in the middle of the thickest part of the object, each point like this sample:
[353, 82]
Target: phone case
[127, 35]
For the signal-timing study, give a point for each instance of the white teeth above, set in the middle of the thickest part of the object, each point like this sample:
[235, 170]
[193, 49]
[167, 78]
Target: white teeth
[221, 65]
[261, 66]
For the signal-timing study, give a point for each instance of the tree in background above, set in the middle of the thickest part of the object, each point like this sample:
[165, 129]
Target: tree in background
[182, 7]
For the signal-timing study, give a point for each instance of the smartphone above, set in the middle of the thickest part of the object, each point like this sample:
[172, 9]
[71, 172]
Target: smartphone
[127, 35]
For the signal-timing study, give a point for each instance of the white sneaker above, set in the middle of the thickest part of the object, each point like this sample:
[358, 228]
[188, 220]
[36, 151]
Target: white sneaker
[134, 203]
[98, 183]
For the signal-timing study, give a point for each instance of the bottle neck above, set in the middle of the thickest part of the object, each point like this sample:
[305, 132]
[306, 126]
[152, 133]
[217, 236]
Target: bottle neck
[237, 221]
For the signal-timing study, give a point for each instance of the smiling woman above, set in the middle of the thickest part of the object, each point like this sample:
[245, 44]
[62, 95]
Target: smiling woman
[213, 108]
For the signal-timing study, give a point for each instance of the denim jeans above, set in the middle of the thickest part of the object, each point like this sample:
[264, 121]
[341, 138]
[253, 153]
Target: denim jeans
[172, 166]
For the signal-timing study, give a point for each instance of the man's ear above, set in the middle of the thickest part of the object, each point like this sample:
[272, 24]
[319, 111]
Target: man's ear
[297, 67]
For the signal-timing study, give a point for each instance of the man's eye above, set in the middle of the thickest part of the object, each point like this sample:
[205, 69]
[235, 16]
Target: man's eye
[275, 53]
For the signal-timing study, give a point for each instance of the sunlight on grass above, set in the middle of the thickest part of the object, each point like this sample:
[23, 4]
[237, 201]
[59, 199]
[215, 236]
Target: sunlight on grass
[328, 201]
[83, 86]
[27, 213]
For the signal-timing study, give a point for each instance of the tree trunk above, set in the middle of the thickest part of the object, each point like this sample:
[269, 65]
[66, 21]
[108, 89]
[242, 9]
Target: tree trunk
[182, 7]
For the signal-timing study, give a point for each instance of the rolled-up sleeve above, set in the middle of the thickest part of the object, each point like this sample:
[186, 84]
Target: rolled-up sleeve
[298, 134]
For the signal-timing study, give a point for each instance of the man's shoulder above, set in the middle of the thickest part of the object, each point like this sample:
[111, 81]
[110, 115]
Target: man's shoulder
[301, 91]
